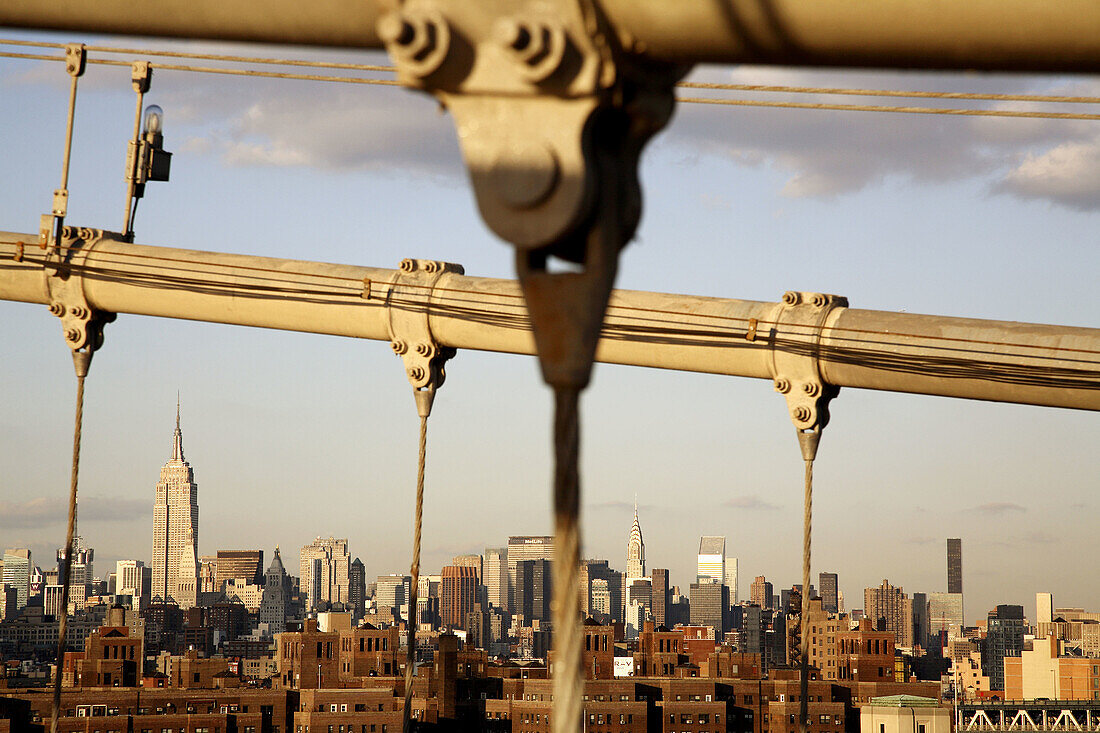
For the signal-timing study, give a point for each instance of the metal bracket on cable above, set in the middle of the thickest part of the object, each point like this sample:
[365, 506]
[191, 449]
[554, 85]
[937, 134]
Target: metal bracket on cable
[552, 110]
[800, 319]
[81, 324]
[409, 302]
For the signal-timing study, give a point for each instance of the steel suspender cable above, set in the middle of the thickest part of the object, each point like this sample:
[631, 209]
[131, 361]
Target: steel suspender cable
[414, 571]
[81, 361]
[804, 641]
[567, 674]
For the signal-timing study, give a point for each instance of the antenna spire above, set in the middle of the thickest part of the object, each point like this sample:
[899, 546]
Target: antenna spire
[177, 438]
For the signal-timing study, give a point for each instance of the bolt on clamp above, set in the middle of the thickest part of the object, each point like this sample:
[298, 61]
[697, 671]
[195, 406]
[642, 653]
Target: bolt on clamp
[408, 300]
[799, 322]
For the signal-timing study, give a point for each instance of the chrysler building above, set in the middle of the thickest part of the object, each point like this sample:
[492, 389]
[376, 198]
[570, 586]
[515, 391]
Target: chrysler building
[635, 549]
[176, 529]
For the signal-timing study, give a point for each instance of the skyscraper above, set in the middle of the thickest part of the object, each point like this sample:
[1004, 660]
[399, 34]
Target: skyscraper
[945, 618]
[1044, 608]
[130, 580]
[276, 600]
[954, 566]
[176, 529]
[760, 592]
[829, 591]
[17, 573]
[525, 547]
[469, 561]
[325, 567]
[635, 550]
[459, 593]
[357, 588]
[710, 603]
[661, 595]
[80, 572]
[495, 567]
[1004, 638]
[534, 590]
[731, 579]
[243, 565]
[895, 607]
[712, 560]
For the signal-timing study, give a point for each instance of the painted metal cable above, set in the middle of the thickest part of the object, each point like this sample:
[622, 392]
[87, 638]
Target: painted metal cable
[414, 571]
[719, 86]
[885, 108]
[951, 111]
[785, 89]
[804, 641]
[81, 360]
[568, 630]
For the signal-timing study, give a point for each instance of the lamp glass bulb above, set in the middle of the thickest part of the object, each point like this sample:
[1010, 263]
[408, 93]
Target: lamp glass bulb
[154, 119]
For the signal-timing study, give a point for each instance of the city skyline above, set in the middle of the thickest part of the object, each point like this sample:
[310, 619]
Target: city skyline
[738, 203]
[177, 469]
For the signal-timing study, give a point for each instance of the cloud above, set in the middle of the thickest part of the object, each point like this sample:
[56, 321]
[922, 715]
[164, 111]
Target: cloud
[1028, 538]
[618, 505]
[998, 508]
[825, 154]
[1067, 174]
[45, 512]
[750, 503]
[329, 127]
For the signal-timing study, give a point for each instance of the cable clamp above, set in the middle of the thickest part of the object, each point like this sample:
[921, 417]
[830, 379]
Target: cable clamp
[409, 302]
[81, 324]
[800, 320]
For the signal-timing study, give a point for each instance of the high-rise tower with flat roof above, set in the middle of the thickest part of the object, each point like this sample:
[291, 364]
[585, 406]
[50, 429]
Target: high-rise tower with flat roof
[954, 565]
[712, 560]
[829, 591]
[521, 548]
[176, 529]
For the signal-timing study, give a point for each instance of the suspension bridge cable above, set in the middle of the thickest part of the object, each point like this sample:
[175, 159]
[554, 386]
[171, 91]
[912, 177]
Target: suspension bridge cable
[717, 86]
[690, 85]
[891, 109]
[287, 278]
[785, 89]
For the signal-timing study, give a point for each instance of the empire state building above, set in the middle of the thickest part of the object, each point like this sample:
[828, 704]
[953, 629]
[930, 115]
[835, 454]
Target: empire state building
[176, 529]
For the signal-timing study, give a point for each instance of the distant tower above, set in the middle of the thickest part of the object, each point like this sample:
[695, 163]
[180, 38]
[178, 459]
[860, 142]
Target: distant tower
[712, 560]
[1044, 608]
[830, 593]
[495, 564]
[176, 529]
[459, 594]
[325, 571]
[357, 588]
[760, 592]
[954, 566]
[635, 549]
[276, 600]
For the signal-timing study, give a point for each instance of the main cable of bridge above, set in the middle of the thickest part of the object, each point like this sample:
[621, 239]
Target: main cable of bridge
[706, 86]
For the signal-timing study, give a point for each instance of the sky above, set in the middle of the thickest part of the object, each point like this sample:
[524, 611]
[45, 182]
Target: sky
[293, 436]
